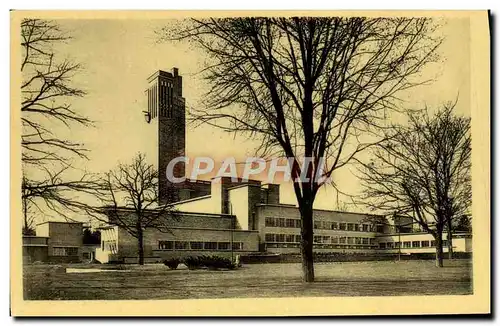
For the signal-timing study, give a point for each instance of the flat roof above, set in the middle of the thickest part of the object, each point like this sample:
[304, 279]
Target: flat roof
[245, 185]
[61, 222]
[160, 72]
[415, 233]
[176, 212]
[319, 209]
[198, 181]
[190, 200]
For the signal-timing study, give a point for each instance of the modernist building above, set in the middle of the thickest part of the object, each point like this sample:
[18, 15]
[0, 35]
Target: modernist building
[225, 217]
[54, 242]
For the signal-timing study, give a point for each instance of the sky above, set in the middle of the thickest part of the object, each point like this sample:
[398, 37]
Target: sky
[118, 55]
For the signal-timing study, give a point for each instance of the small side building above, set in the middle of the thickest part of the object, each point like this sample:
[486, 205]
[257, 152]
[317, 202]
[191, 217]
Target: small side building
[58, 242]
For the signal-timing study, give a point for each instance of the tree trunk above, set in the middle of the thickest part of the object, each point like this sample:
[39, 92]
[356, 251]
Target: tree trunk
[449, 239]
[439, 248]
[140, 245]
[306, 247]
[25, 212]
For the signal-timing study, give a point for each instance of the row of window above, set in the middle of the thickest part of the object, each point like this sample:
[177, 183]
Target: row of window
[198, 245]
[64, 251]
[283, 222]
[325, 225]
[109, 245]
[319, 239]
[316, 246]
[410, 244]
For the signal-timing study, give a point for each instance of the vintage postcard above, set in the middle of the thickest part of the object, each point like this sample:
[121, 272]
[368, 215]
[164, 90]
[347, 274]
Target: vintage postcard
[170, 163]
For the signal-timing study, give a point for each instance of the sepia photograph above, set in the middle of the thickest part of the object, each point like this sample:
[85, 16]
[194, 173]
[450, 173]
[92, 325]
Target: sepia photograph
[250, 163]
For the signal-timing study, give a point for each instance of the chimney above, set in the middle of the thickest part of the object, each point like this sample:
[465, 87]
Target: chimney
[273, 193]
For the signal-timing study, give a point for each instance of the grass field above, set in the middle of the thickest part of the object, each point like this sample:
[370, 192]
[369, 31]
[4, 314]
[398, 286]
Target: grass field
[380, 278]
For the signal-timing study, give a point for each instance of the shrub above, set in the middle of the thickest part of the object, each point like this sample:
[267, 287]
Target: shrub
[193, 262]
[215, 262]
[172, 263]
[210, 262]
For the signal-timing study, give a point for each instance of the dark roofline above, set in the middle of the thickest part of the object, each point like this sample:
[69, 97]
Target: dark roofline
[278, 205]
[198, 181]
[59, 222]
[190, 200]
[269, 183]
[204, 214]
[240, 180]
[175, 212]
[319, 209]
[245, 185]
[393, 234]
[160, 72]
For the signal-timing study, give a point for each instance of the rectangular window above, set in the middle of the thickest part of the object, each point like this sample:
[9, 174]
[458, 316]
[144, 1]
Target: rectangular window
[343, 240]
[381, 245]
[350, 240]
[433, 243]
[181, 245]
[425, 244]
[372, 241]
[326, 239]
[298, 224]
[281, 222]
[237, 245]
[269, 221]
[65, 251]
[335, 226]
[380, 228]
[366, 241]
[269, 237]
[210, 246]
[415, 244]
[196, 245]
[223, 246]
[297, 238]
[350, 227]
[390, 245]
[445, 243]
[316, 225]
[71, 251]
[397, 245]
[343, 226]
[290, 223]
[280, 238]
[359, 227]
[317, 239]
[290, 238]
[58, 251]
[406, 244]
[366, 228]
[165, 245]
[335, 240]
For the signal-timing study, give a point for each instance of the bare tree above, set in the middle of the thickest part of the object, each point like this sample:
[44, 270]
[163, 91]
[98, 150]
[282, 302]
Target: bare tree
[135, 186]
[423, 172]
[60, 194]
[46, 92]
[313, 88]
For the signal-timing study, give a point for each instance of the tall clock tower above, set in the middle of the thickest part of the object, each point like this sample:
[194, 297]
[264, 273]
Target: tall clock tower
[166, 113]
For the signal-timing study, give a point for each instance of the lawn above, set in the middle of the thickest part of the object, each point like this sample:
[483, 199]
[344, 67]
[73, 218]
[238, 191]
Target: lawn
[376, 278]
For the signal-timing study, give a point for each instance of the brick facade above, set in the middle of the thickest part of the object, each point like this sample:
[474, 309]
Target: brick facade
[166, 111]
[54, 242]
